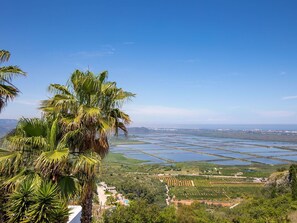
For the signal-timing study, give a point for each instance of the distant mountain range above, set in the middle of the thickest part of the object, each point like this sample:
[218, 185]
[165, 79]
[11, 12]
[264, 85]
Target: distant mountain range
[6, 125]
[255, 134]
[138, 130]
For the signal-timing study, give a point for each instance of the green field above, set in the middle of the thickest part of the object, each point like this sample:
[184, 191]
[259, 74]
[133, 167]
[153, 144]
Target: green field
[116, 158]
[255, 170]
[117, 170]
[216, 189]
[124, 141]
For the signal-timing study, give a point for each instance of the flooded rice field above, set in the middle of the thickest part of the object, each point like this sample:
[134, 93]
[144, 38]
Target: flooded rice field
[172, 147]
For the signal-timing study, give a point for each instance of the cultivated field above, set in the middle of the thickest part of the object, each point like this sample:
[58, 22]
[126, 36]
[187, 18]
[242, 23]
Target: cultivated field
[173, 181]
[214, 188]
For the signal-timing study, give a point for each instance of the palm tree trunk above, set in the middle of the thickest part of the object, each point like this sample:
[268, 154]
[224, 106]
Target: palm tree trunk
[86, 202]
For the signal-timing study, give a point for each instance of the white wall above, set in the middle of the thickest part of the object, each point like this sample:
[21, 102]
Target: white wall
[75, 213]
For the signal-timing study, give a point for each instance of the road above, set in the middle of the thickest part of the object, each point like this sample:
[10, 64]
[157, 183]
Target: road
[102, 196]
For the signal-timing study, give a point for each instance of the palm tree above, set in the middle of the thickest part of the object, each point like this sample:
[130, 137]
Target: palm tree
[88, 109]
[7, 90]
[35, 154]
[22, 147]
[35, 150]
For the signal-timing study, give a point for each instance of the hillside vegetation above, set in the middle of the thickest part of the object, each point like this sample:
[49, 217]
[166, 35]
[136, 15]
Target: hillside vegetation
[6, 125]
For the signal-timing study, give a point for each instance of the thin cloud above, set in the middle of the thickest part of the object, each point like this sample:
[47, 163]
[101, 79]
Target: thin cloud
[173, 115]
[129, 43]
[106, 50]
[234, 74]
[283, 73]
[275, 113]
[289, 97]
[191, 60]
[28, 102]
[93, 53]
[235, 107]
[169, 111]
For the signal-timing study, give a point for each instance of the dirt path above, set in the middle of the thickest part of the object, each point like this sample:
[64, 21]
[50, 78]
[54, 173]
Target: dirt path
[167, 195]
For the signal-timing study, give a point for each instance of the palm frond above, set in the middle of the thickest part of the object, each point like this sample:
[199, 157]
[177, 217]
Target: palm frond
[32, 127]
[87, 165]
[10, 162]
[28, 143]
[58, 89]
[103, 76]
[59, 103]
[15, 181]
[101, 145]
[36, 180]
[89, 115]
[4, 55]
[7, 93]
[9, 72]
[52, 162]
[70, 135]
[7, 90]
[69, 186]
[53, 134]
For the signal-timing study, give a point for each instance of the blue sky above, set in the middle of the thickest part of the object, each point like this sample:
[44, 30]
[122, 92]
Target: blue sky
[189, 62]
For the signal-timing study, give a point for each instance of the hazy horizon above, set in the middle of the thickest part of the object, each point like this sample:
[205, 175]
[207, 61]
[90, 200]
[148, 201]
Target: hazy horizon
[282, 127]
